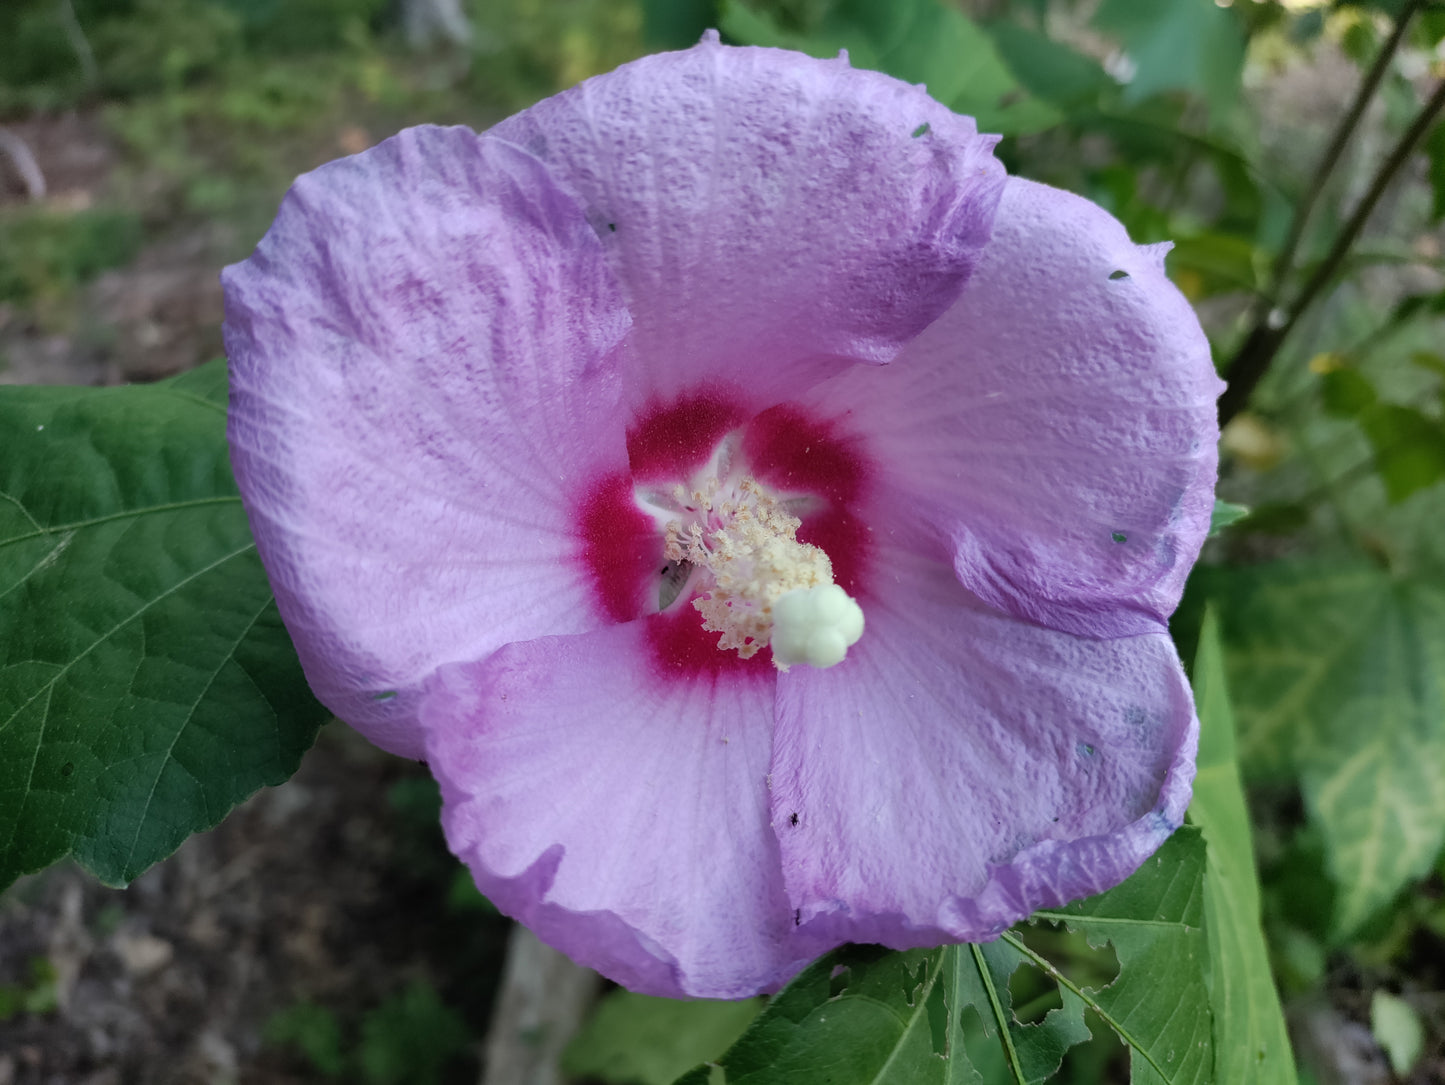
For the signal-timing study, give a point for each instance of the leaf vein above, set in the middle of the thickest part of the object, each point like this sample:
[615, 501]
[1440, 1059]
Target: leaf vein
[48, 687]
[127, 514]
[1092, 1002]
[190, 712]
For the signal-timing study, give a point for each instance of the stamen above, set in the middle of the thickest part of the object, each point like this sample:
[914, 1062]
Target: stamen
[749, 544]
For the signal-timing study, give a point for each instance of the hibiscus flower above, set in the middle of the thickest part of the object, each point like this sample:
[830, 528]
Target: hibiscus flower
[760, 513]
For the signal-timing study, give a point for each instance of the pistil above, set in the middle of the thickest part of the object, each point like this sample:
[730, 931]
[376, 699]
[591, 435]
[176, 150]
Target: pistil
[768, 587]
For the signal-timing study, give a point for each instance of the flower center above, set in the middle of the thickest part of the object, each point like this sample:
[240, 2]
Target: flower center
[767, 535]
[766, 586]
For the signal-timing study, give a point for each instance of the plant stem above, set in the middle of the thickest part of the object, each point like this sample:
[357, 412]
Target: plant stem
[1268, 334]
[75, 34]
[1284, 263]
[18, 151]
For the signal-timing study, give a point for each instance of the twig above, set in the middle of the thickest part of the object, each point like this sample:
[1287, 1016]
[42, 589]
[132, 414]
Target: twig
[1284, 263]
[1266, 319]
[429, 21]
[16, 149]
[1265, 339]
[540, 1004]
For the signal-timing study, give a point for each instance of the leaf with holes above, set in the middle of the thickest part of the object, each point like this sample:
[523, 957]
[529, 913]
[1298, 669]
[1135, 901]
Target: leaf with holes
[1159, 1006]
[1338, 674]
[859, 1014]
[146, 684]
[863, 1014]
[1250, 1042]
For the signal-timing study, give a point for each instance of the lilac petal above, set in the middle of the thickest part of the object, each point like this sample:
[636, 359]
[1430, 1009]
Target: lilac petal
[1057, 427]
[765, 210]
[962, 768]
[423, 381]
[622, 816]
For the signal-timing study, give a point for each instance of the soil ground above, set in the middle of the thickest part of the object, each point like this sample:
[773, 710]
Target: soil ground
[318, 892]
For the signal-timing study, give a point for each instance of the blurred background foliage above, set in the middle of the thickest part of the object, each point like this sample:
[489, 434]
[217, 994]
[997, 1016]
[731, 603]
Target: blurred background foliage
[1200, 122]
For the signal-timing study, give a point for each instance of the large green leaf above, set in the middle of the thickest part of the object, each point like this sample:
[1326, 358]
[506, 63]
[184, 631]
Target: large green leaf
[1409, 445]
[1159, 1005]
[1338, 674]
[1178, 45]
[146, 683]
[1250, 1041]
[918, 41]
[1409, 448]
[863, 1014]
[1058, 74]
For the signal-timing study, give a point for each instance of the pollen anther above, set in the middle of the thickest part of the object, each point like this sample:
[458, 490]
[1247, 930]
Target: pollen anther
[749, 544]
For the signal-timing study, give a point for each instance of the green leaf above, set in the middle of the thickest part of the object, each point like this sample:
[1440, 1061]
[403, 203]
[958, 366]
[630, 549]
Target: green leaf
[1159, 1005]
[1359, 41]
[1435, 151]
[1409, 448]
[1347, 392]
[207, 382]
[918, 41]
[1178, 45]
[857, 1015]
[313, 1031]
[1409, 445]
[676, 24]
[1250, 1041]
[40, 995]
[147, 684]
[1427, 359]
[1223, 262]
[863, 1015]
[925, 41]
[410, 1039]
[1431, 29]
[1397, 1027]
[746, 26]
[638, 1040]
[1225, 514]
[1338, 674]
[49, 253]
[1049, 69]
[1034, 1052]
[1156, 132]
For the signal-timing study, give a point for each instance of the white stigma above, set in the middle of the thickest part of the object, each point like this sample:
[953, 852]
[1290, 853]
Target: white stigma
[767, 586]
[815, 626]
